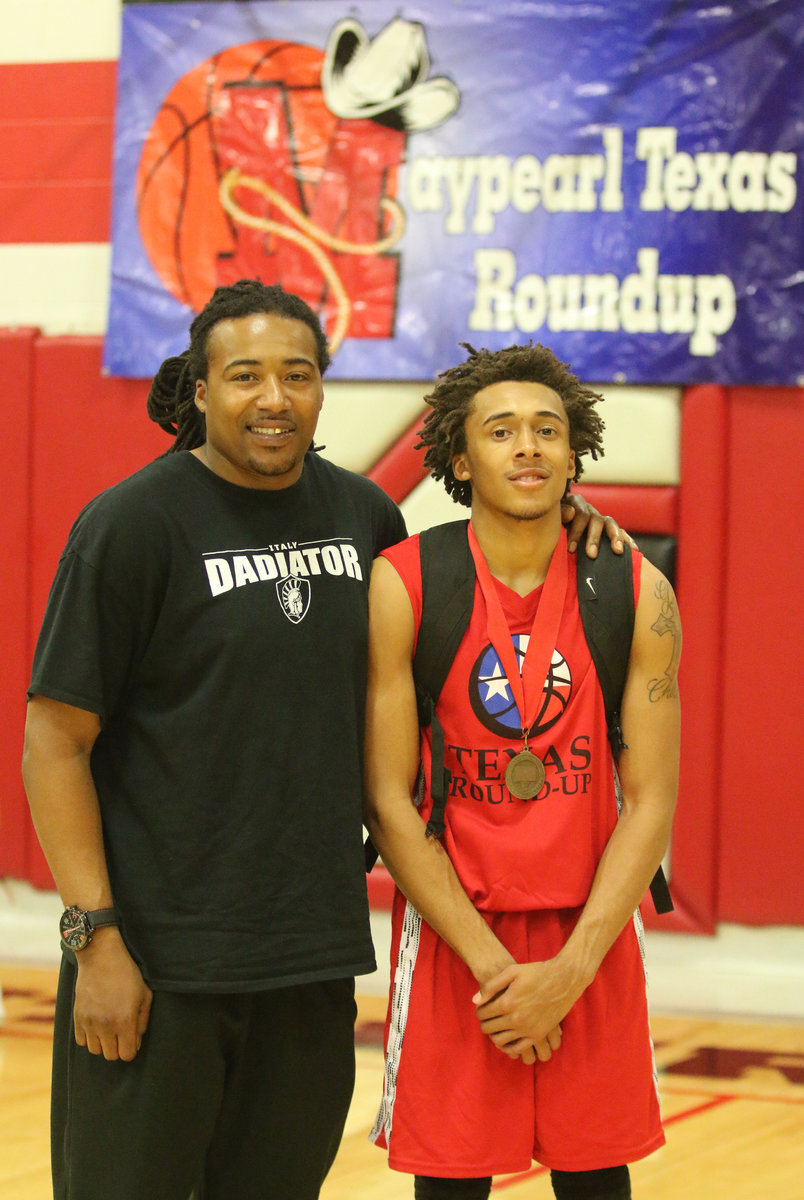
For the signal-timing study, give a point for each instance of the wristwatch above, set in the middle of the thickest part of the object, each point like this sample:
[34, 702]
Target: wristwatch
[77, 926]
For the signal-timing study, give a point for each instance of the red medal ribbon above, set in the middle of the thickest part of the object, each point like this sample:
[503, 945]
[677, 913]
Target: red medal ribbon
[527, 686]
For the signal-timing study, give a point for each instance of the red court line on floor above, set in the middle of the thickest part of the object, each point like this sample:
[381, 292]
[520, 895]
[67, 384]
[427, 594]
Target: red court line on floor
[722, 1096]
[712, 1102]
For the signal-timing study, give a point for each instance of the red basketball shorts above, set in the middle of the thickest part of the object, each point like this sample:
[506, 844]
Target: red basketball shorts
[455, 1106]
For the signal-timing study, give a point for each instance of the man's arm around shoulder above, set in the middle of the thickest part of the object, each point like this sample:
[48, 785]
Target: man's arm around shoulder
[112, 1001]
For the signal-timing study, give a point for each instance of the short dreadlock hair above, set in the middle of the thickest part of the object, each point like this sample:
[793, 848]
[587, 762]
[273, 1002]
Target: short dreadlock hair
[443, 434]
[171, 400]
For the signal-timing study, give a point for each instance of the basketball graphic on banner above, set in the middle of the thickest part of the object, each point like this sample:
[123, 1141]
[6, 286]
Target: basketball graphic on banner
[192, 142]
[246, 172]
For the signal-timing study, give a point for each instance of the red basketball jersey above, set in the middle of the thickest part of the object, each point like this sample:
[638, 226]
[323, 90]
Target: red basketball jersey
[519, 855]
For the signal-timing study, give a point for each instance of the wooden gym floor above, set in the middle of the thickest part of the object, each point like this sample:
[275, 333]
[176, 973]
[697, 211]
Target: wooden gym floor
[732, 1098]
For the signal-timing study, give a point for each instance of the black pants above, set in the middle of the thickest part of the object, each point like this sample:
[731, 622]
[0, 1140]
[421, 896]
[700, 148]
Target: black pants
[609, 1183]
[231, 1097]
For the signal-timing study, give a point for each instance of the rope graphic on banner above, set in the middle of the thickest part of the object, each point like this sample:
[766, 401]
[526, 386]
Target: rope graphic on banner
[310, 237]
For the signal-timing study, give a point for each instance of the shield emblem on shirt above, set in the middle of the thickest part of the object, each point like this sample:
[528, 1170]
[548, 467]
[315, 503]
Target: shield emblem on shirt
[294, 597]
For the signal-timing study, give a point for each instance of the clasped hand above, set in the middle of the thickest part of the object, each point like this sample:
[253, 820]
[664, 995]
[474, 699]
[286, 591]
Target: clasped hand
[522, 1007]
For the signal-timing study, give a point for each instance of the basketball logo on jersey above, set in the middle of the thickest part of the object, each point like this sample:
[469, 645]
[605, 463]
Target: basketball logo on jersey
[493, 702]
[294, 597]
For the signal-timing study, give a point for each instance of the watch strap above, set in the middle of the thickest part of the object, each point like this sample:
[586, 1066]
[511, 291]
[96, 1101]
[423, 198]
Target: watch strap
[98, 917]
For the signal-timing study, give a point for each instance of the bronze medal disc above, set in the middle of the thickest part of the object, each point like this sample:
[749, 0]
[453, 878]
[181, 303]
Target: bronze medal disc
[524, 775]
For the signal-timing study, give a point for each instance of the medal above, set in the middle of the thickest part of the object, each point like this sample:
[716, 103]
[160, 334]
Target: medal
[525, 774]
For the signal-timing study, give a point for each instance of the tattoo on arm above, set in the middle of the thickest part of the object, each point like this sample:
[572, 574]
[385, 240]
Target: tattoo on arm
[666, 687]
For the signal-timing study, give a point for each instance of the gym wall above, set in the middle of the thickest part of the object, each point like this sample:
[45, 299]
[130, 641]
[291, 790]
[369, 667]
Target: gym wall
[713, 469]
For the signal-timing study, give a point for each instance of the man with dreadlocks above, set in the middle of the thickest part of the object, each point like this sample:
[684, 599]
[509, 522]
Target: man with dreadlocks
[517, 1024]
[193, 764]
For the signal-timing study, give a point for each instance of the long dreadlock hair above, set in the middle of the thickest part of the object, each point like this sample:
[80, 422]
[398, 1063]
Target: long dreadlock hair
[443, 434]
[171, 400]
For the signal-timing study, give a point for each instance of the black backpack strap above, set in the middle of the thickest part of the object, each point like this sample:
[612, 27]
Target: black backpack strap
[448, 589]
[370, 854]
[660, 893]
[606, 601]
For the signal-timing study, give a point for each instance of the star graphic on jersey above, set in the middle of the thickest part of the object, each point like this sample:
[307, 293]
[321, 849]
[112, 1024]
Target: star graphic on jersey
[497, 684]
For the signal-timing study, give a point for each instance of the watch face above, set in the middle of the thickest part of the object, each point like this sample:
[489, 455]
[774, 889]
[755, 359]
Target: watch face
[74, 928]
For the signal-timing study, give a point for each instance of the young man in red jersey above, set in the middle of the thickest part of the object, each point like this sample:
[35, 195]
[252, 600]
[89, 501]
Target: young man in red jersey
[518, 1022]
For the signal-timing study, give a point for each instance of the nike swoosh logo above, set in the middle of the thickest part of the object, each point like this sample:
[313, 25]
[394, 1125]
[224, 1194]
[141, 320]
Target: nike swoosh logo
[590, 585]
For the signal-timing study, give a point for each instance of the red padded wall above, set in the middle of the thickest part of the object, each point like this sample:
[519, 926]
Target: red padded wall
[88, 432]
[85, 432]
[762, 750]
[700, 586]
[16, 371]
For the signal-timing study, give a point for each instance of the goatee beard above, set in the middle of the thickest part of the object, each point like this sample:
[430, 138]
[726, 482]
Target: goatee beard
[526, 516]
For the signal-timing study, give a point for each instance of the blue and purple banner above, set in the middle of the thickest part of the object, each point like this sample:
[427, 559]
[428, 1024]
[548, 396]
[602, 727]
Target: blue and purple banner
[619, 181]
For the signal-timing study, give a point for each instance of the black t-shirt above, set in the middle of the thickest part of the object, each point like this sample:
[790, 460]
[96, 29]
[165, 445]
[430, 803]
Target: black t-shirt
[220, 632]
